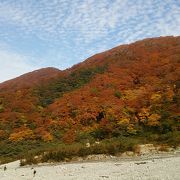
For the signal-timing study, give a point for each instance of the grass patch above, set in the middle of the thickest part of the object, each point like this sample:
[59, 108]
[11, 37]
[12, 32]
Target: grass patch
[57, 151]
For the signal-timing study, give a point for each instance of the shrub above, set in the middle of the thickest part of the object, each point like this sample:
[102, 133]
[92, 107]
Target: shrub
[117, 94]
[28, 160]
[1, 108]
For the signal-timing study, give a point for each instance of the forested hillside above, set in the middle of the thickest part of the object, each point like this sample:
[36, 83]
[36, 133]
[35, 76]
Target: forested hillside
[131, 91]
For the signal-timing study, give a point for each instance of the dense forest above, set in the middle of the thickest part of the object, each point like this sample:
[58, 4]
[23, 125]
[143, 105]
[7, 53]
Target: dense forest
[121, 97]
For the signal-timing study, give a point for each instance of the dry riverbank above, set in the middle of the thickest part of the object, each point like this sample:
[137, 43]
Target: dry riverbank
[164, 166]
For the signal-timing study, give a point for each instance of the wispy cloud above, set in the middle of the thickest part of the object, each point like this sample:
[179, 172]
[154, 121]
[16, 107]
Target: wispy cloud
[74, 30]
[91, 19]
[13, 64]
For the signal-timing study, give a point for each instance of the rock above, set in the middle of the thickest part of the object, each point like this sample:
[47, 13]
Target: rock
[170, 149]
[77, 159]
[97, 142]
[144, 149]
[104, 176]
[124, 154]
[138, 163]
[97, 157]
[88, 145]
[112, 157]
[66, 159]
[130, 153]
[36, 157]
[127, 154]
[117, 164]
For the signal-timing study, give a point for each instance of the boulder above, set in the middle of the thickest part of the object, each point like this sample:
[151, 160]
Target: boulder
[144, 149]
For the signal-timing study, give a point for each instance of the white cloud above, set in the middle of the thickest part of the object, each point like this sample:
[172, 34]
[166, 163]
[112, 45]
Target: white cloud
[13, 65]
[83, 27]
[91, 19]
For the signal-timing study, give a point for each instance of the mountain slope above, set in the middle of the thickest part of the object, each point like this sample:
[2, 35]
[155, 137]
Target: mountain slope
[128, 91]
[30, 79]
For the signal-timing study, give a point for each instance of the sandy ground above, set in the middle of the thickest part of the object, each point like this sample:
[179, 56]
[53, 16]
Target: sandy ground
[141, 168]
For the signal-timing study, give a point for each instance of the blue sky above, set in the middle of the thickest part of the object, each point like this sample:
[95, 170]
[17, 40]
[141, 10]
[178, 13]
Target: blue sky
[60, 33]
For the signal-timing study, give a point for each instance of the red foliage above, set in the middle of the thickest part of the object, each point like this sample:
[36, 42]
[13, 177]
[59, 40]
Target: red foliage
[139, 77]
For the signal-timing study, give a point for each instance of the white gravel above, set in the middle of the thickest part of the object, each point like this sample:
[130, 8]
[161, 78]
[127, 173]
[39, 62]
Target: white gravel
[164, 168]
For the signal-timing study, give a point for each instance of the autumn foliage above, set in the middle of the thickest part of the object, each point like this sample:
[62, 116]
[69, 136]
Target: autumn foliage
[127, 91]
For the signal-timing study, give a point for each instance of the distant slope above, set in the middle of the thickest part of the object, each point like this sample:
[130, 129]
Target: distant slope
[30, 79]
